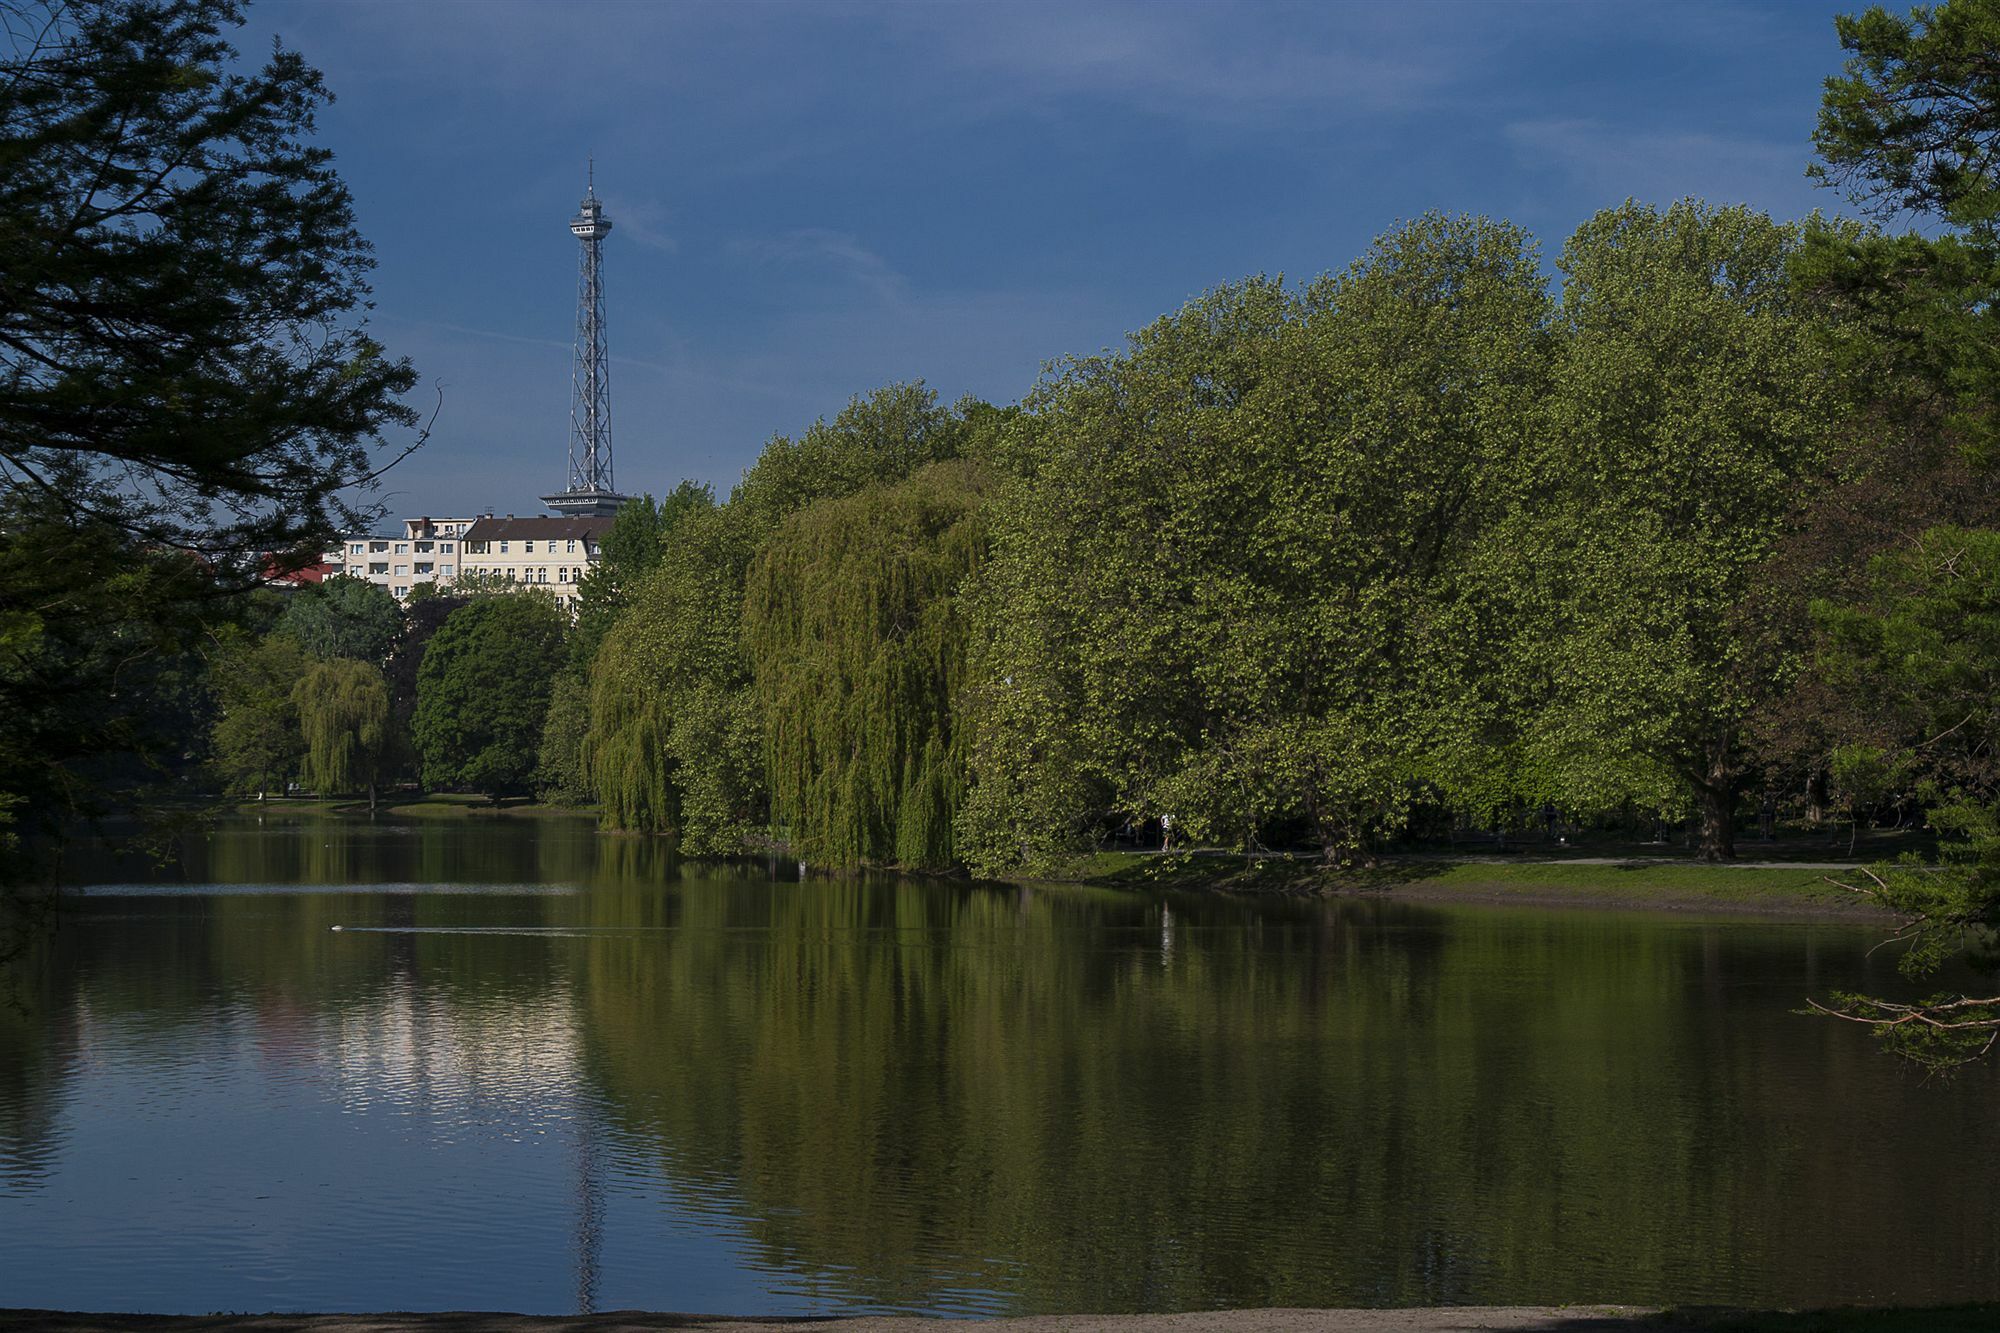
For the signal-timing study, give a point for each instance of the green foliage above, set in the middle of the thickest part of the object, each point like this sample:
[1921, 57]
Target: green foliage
[856, 632]
[676, 742]
[560, 775]
[1913, 122]
[629, 551]
[1231, 583]
[101, 693]
[257, 740]
[181, 285]
[673, 741]
[883, 437]
[1691, 412]
[1917, 655]
[344, 618]
[1912, 125]
[344, 717]
[483, 694]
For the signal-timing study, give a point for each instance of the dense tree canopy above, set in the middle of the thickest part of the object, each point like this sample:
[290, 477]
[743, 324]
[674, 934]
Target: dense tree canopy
[344, 618]
[675, 741]
[180, 280]
[186, 388]
[1691, 414]
[856, 632]
[343, 709]
[257, 738]
[483, 693]
[1232, 588]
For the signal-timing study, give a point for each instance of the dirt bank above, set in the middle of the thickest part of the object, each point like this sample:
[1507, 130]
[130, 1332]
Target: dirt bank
[1573, 1319]
[1456, 1319]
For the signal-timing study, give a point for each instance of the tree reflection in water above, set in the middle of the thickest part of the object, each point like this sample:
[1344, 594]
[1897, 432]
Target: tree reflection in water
[933, 1095]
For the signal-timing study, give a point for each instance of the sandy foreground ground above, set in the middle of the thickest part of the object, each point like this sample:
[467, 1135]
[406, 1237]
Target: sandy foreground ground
[1564, 1319]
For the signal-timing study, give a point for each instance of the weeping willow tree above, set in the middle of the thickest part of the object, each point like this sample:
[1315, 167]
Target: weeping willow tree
[854, 625]
[672, 742]
[343, 709]
[675, 743]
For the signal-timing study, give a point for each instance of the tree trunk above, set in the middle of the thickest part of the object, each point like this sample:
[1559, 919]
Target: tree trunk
[1718, 824]
[1715, 805]
[1816, 798]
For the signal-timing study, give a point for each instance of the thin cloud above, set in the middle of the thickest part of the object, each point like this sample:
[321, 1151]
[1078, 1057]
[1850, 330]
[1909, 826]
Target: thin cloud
[1195, 61]
[1616, 162]
[836, 253]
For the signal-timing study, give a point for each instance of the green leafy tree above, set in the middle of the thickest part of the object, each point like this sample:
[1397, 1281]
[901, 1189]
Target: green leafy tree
[883, 437]
[101, 689]
[257, 741]
[1692, 410]
[1920, 653]
[856, 629]
[422, 618]
[628, 552]
[1912, 125]
[344, 618]
[180, 284]
[344, 718]
[1231, 583]
[560, 775]
[183, 369]
[674, 743]
[483, 694]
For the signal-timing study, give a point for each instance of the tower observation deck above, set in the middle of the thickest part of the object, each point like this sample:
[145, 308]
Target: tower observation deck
[590, 489]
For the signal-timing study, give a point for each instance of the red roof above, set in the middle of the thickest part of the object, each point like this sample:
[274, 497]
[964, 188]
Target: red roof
[275, 571]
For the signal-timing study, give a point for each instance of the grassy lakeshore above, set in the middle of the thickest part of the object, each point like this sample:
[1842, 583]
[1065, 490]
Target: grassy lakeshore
[435, 805]
[1774, 888]
[1435, 1319]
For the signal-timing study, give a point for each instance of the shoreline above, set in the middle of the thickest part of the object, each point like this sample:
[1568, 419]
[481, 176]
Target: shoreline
[1798, 890]
[1409, 1319]
[1770, 891]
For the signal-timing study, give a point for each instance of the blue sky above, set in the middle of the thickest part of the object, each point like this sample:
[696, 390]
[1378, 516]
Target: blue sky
[812, 200]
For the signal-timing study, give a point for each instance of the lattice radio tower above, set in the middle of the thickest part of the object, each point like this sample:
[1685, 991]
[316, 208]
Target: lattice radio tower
[590, 489]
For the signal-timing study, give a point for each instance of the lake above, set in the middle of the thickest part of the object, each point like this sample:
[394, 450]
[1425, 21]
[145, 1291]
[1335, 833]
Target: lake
[320, 1064]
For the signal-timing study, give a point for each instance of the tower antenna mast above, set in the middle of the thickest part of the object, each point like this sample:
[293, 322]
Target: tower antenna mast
[590, 489]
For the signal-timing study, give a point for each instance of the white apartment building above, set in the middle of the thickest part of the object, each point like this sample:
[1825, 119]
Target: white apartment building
[427, 552]
[553, 552]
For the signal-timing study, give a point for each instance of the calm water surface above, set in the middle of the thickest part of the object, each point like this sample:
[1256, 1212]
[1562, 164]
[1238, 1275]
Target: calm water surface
[542, 1070]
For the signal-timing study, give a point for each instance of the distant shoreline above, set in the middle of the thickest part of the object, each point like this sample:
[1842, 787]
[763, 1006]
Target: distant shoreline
[1431, 1319]
[1773, 890]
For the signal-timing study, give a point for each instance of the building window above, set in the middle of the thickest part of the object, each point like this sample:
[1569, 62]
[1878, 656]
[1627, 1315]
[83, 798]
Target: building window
[379, 567]
[528, 547]
[402, 592]
[402, 548]
[402, 571]
[354, 548]
[423, 548]
[425, 566]
[503, 548]
[444, 547]
[445, 571]
[376, 548]
[572, 546]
